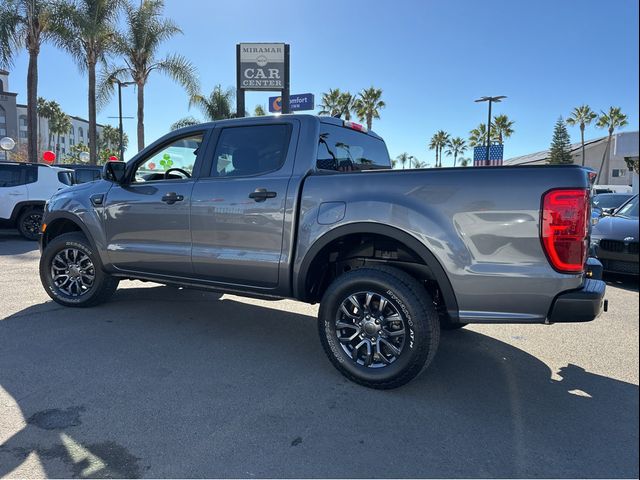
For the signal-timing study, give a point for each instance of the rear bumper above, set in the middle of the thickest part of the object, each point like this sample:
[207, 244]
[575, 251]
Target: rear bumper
[580, 305]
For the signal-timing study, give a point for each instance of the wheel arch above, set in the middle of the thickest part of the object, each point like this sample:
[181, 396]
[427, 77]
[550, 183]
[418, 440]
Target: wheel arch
[425, 261]
[20, 207]
[64, 222]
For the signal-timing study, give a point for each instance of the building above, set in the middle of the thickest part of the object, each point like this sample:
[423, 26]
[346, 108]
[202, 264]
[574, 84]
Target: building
[13, 123]
[624, 145]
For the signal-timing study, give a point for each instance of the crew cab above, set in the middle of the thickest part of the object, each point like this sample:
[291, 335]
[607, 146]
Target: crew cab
[306, 207]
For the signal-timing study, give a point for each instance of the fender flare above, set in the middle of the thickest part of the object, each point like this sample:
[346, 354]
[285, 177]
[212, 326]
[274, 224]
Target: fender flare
[410, 241]
[53, 217]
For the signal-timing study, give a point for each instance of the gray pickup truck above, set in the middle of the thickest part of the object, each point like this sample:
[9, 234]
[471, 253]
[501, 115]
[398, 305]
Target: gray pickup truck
[307, 207]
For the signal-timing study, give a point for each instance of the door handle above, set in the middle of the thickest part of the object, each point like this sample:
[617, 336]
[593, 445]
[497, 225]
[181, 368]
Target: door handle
[172, 197]
[261, 194]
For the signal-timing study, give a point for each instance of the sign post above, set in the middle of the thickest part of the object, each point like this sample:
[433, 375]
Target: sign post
[262, 66]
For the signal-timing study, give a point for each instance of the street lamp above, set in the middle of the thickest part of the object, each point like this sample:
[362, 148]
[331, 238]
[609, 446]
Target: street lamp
[497, 99]
[120, 85]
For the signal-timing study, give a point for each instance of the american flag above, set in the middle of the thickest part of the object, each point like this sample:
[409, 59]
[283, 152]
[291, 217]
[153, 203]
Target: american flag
[495, 155]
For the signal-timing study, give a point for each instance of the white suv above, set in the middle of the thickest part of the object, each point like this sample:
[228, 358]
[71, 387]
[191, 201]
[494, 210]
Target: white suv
[24, 189]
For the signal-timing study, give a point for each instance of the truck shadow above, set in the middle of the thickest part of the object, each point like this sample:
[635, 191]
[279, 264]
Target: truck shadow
[626, 282]
[162, 382]
[11, 243]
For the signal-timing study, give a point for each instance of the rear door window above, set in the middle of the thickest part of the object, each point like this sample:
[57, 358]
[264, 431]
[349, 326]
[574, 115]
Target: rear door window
[345, 150]
[11, 176]
[250, 150]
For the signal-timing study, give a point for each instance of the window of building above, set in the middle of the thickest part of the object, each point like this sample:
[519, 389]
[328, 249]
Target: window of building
[3, 118]
[22, 121]
[619, 172]
[80, 134]
[254, 150]
[23, 134]
[347, 150]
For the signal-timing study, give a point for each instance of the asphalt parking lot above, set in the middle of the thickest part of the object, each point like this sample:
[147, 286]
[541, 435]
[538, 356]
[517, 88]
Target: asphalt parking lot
[162, 382]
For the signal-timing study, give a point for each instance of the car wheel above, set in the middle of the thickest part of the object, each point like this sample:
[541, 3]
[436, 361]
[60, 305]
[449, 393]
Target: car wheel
[71, 272]
[29, 223]
[378, 326]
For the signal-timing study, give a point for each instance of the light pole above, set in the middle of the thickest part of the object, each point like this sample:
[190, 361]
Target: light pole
[120, 85]
[497, 99]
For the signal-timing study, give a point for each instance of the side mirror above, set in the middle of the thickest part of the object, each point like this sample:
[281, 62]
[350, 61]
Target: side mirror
[114, 171]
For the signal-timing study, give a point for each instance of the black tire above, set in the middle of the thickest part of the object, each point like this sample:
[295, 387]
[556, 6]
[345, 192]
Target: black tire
[29, 223]
[101, 287]
[406, 297]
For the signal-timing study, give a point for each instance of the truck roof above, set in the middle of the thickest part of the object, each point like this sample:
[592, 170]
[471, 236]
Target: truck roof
[322, 118]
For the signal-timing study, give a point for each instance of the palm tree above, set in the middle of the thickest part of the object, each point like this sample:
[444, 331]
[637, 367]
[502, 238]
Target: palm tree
[434, 144]
[583, 116]
[27, 23]
[184, 122]
[478, 136]
[217, 105]
[465, 162]
[139, 46]
[89, 34]
[418, 164]
[403, 158]
[47, 110]
[368, 105]
[60, 124]
[438, 141]
[456, 146]
[610, 120]
[502, 128]
[330, 103]
[346, 104]
[259, 111]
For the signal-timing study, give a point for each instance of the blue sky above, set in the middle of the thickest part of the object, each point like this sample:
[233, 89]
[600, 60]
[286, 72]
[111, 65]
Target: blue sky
[432, 59]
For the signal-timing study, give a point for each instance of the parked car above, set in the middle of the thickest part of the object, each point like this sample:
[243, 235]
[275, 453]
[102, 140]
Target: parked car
[614, 239]
[84, 173]
[606, 203]
[24, 189]
[307, 207]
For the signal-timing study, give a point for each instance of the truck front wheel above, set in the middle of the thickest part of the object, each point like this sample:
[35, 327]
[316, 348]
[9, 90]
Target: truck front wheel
[71, 272]
[378, 326]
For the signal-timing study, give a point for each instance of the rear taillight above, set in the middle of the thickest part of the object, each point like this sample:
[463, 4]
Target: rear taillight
[564, 228]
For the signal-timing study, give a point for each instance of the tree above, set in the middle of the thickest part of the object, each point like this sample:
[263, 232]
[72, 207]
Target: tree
[456, 146]
[402, 159]
[60, 124]
[502, 128]
[330, 103]
[560, 151]
[368, 105]
[438, 141]
[259, 111]
[139, 46]
[418, 164]
[465, 162]
[478, 136]
[27, 23]
[610, 120]
[47, 110]
[88, 34]
[583, 116]
[346, 104]
[184, 122]
[217, 105]
[110, 139]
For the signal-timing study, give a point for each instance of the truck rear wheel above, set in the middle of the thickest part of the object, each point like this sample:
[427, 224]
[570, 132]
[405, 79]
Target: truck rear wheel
[72, 274]
[378, 326]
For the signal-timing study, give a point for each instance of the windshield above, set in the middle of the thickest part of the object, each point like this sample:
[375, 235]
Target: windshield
[630, 209]
[609, 200]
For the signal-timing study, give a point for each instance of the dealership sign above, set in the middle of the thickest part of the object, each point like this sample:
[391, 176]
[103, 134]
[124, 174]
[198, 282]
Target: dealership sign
[262, 66]
[302, 101]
